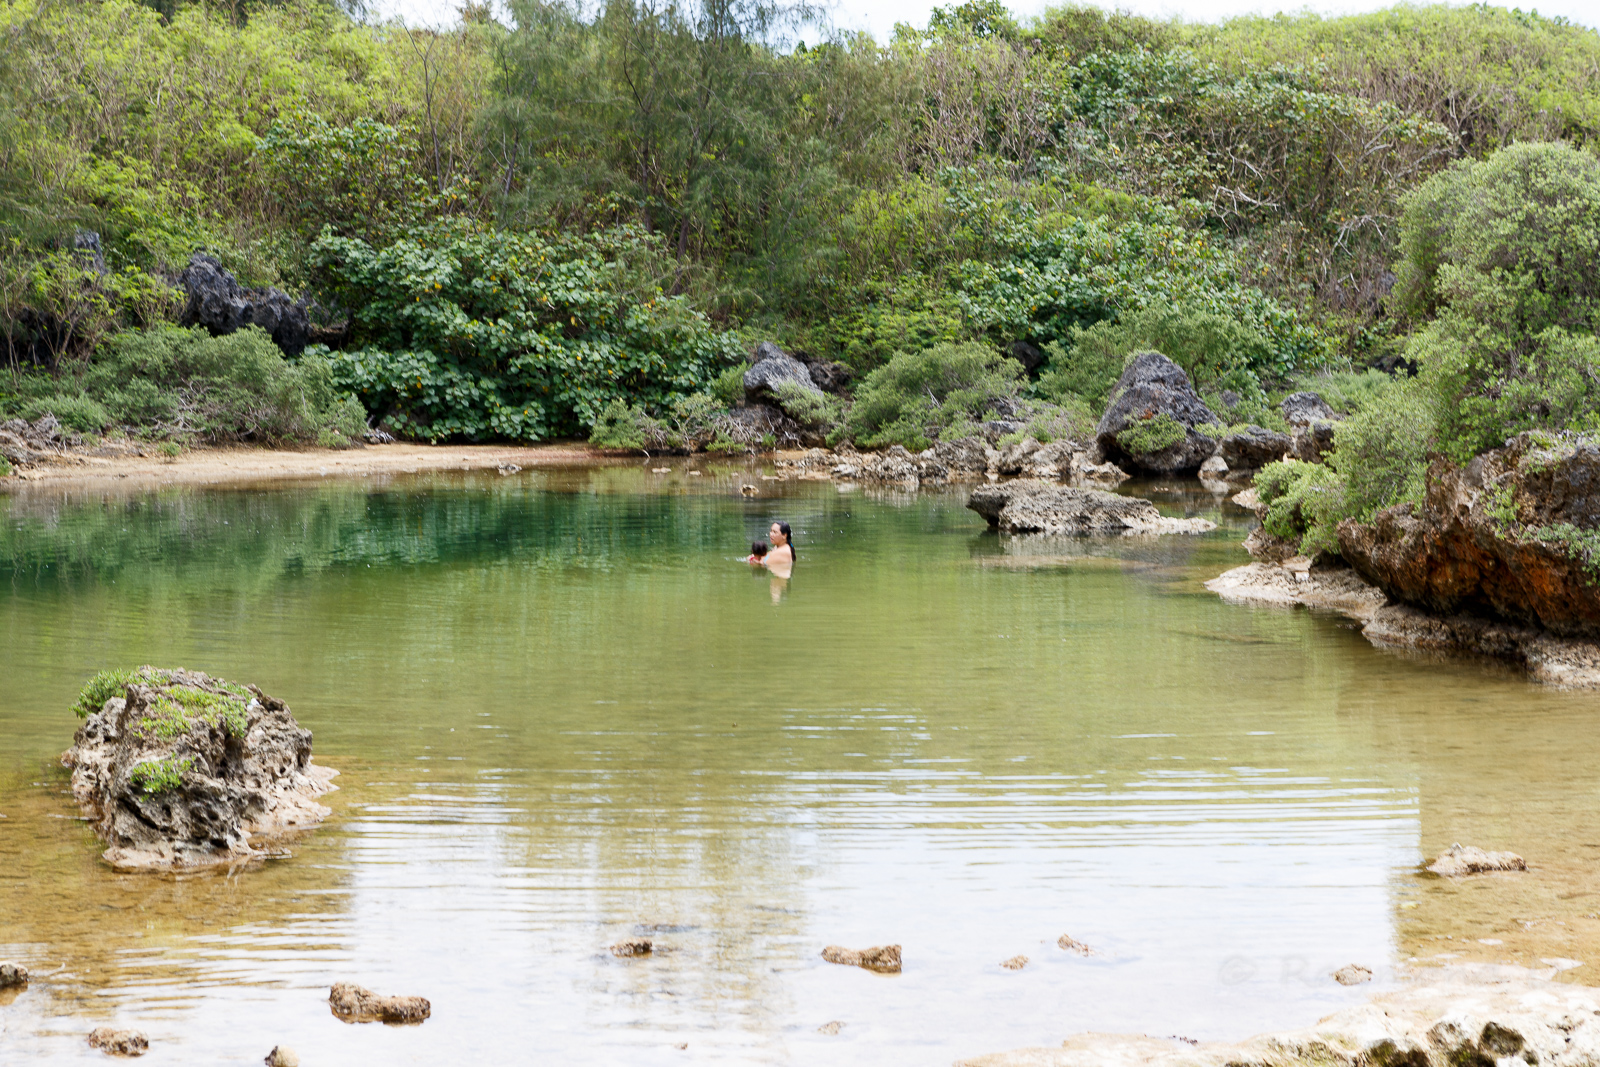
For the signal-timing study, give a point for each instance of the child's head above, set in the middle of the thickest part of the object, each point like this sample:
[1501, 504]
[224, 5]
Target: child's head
[758, 548]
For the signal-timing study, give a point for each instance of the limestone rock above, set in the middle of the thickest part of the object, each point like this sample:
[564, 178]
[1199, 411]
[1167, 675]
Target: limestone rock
[1303, 409]
[1214, 467]
[282, 1056]
[830, 1028]
[830, 377]
[1352, 974]
[965, 457]
[894, 466]
[1067, 943]
[633, 946]
[1015, 963]
[215, 300]
[1313, 441]
[882, 958]
[355, 1004]
[1015, 455]
[184, 770]
[114, 1042]
[1254, 447]
[12, 975]
[1501, 538]
[1459, 860]
[774, 366]
[1027, 506]
[1441, 1020]
[1153, 387]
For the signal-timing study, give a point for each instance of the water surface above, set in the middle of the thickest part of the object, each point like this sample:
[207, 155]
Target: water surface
[565, 714]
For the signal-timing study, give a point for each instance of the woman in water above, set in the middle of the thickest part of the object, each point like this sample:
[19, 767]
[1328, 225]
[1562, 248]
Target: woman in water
[782, 551]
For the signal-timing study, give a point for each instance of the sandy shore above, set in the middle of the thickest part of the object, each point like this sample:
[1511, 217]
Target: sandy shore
[215, 466]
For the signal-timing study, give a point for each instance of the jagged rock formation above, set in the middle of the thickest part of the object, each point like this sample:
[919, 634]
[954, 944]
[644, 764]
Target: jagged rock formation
[1514, 536]
[215, 300]
[1254, 447]
[1151, 418]
[882, 958]
[1028, 506]
[774, 366]
[357, 1004]
[183, 770]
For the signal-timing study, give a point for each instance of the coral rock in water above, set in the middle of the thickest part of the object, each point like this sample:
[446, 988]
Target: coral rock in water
[183, 770]
[115, 1042]
[884, 958]
[1459, 859]
[355, 1004]
[633, 946]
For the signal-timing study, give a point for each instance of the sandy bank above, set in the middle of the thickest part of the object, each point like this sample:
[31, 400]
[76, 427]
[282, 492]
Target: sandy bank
[215, 466]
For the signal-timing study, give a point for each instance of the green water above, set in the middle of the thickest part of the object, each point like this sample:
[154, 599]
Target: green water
[564, 713]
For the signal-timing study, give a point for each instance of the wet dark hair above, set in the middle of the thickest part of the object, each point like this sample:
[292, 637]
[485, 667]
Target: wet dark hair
[758, 548]
[788, 539]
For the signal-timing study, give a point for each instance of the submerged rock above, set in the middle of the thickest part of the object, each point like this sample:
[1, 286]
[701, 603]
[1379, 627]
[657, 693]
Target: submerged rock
[1067, 943]
[633, 946]
[1015, 963]
[357, 1004]
[882, 958]
[1514, 535]
[1459, 860]
[12, 975]
[830, 1028]
[1027, 506]
[1446, 1019]
[183, 770]
[114, 1042]
[1352, 974]
[1151, 419]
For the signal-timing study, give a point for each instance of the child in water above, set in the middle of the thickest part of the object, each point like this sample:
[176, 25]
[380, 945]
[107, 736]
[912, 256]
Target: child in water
[758, 552]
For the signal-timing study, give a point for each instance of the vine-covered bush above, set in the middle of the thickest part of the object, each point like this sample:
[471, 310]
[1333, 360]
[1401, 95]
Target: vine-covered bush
[919, 396]
[460, 331]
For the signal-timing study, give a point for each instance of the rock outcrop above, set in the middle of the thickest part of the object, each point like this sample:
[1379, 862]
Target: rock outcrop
[13, 975]
[357, 1004]
[114, 1042]
[1254, 447]
[1151, 418]
[1512, 536]
[773, 367]
[1460, 860]
[633, 946]
[213, 299]
[884, 959]
[183, 770]
[1029, 506]
[1303, 409]
[1444, 1019]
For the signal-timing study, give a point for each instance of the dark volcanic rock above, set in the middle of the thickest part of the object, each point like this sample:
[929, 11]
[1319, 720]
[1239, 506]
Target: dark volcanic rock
[1254, 447]
[773, 366]
[1302, 409]
[1026, 506]
[1502, 537]
[1150, 387]
[1027, 355]
[184, 770]
[215, 301]
[830, 377]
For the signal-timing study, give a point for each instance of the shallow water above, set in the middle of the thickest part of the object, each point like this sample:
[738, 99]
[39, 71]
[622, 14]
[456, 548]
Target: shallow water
[564, 714]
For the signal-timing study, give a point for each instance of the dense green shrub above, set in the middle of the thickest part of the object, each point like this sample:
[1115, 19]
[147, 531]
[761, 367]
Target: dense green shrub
[190, 386]
[1381, 451]
[162, 775]
[101, 688]
[460, 331]
[1152, 434]
[1305, 502]
[916, 395]
[1345, 391]
[811, 409]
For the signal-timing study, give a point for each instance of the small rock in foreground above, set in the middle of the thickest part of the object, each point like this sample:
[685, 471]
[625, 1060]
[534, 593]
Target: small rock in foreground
[1015, 963]
[1459, 859]
[12, 974]
[114, 1042]
[354, 1004]
[633, 946]
[282, 1056]
[1068, 944]
[830, 1028]
[882, 958]
[1352, 974]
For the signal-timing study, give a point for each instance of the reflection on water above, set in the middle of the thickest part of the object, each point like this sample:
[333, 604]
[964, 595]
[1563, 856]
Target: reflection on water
[566, 712]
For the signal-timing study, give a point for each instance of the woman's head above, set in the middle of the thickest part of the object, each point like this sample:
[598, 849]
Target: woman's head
[781, 535]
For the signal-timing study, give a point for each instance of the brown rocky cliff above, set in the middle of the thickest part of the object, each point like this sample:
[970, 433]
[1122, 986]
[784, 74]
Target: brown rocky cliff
[1480, 543]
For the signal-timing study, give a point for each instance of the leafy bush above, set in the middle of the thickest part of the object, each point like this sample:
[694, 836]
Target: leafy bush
[1305, 502]
[1152, 434]
[1346, 391]
[918, 394]
[186, 384]
[5, 467]
[1381, 452]
[624, 427]
[812, 409]
[159, 776]
[78, 411]
[728, 387]
[101, 688]
[469, 332]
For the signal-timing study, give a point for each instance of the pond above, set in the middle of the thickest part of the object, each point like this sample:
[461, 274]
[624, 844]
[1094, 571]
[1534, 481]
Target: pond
[564, 713]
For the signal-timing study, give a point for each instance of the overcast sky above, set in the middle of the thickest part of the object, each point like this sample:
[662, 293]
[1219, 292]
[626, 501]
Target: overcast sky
[879, 17]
